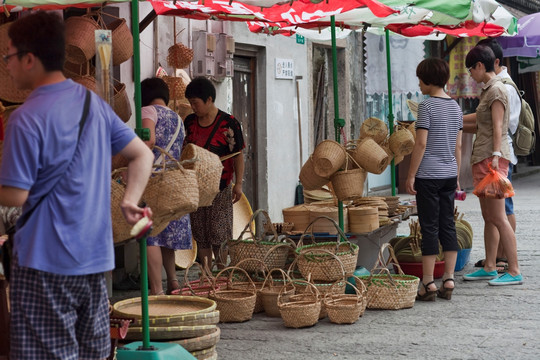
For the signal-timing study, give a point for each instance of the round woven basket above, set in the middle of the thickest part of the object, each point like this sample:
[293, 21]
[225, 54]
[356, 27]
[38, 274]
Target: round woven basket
[8, 91]
[346, 308]
[375, 129]
[121, 105]
[370, 156]
[122, 41]
[270, 290]
[200, 342]
[300, 310]
[208, 168]
[401, 142]
[309, 178]
[328, 157]
[180, 56]
[349, 184]
[71, 69]
[297, 215]
[164, 306]
[170, 332]
[363, 219]
[177, 87]
[80, 41]
[87, 81]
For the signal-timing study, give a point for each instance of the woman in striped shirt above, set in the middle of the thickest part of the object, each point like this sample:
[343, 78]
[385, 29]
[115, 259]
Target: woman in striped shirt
[433, 175]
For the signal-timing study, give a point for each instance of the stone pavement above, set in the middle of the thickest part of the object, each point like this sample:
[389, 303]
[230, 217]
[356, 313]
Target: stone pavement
[480, 322]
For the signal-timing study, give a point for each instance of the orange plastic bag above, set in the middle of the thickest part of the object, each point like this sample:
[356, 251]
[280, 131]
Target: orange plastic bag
[494, 186]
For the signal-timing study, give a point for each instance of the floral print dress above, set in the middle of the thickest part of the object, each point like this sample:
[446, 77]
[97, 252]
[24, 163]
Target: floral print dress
[176, 236]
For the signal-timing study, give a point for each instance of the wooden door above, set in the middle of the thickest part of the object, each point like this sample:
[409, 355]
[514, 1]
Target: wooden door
[244, 96]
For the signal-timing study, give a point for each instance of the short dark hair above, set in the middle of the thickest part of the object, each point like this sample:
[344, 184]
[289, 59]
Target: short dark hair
[494, 45]
[433, 71]
[483, 54]
[201, 88]
[154, 88]
[42, 34]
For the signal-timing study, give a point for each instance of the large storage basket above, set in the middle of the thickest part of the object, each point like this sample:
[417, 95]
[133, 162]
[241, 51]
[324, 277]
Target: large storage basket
[389, 291]
[324, 225]
[122, 41]
[328, 157]
[370, 156]
[309, 178]
[297, 215]
[401, 141]
[375, 129]
[80, 41]
[363, 219]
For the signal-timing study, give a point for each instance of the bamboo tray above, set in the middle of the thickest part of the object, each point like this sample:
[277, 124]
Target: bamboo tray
[201, 342]
[164, 306]
[171, 332]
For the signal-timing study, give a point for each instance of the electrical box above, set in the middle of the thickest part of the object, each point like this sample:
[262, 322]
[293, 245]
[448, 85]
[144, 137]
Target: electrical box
[224, 55]
[204, 49]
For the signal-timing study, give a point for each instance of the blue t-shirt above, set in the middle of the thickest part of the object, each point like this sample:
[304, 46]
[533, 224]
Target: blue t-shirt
[70, 232]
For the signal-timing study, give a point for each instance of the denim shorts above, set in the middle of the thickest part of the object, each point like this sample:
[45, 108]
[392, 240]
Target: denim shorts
[508, 202]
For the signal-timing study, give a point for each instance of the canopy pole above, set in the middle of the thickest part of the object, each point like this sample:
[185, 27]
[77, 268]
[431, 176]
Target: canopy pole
[338, 123]
[390, 106]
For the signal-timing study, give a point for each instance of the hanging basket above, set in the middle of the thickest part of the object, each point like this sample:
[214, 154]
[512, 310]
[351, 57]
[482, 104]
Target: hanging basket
[300, 310]
[389, 291]
[208, 168]
[87, 81]
[122, 41]
[337, 257]
[177, 87]
[234, 305]
[346, 308]
[401, 142]
[349, 184]
[309, 178]
[121, 105]
[121, 229]
[273, 254]
[370, 156]
[375, 129]
[172, 190]
[328, 157]
[80, 38]
[180, 56]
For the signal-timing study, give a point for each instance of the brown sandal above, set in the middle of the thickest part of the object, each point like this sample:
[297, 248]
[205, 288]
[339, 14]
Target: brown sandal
[444, 292]
[429, 295]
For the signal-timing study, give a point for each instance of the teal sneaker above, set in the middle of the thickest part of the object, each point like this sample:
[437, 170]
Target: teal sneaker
[481, 274]
[507, 279]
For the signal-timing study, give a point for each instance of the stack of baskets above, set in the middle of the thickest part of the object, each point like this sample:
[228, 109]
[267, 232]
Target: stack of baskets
[190, 321]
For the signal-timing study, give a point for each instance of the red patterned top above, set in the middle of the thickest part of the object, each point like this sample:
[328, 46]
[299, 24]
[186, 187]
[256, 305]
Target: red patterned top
[227, 140]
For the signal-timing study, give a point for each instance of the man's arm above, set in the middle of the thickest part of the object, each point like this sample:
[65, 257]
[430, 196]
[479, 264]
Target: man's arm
[12, 196]
[140, 159]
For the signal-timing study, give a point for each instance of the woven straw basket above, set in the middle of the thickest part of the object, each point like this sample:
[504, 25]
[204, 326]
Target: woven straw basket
[401, 142]
[326, 261]
[121, 105]
[300, 310]
[202, 286]
[349, 184]
[409, 125]
[87, 81]
[239, 283]
[309, 178]
[324, 225]
[375, 129]
[370, 156]
[270, 290]
[8, 91]
[122, 41]
[180, 56]
[389, 291]
[204, 342]
[5, 115]
[208, 168]
[328, 157]
[80, 42]
[297, 215]
[172, 190]
[346, 308]
[177, 87]
[363, 219]
[234, 305]
[272, 253]
[121, 229]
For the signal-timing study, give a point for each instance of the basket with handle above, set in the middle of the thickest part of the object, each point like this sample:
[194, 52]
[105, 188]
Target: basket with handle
[386, 290]
[244, 283]
[349, 183]
[273, 253]
[122, 40]
[172, 190]
[179, 56]
[328, 157]
[200, 287]
[300, 310]
[121, 229]
[270, 290]
[208, 168]
[234, 305]
[346, 308]
[324, 266]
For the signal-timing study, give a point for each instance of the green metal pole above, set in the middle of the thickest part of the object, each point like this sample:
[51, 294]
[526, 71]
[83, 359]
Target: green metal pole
[390, 106]
[338, 123]
[139, 131]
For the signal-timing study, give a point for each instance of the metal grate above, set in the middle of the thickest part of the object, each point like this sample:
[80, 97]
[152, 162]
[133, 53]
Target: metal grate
[527, 6]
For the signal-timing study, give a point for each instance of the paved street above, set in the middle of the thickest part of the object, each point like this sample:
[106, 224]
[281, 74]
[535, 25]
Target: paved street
[480, 322]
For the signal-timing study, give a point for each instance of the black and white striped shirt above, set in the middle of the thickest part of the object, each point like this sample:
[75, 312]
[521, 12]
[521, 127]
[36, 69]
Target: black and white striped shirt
[443, 119]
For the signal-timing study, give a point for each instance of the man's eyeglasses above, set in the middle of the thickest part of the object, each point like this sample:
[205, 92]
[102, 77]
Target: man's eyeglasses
[470, 68]
[9, 56]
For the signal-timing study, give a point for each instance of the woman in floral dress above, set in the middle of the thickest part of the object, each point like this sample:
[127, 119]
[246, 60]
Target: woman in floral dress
[163, 124]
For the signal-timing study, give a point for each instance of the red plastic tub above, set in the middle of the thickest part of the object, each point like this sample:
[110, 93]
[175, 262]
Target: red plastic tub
[416, 269]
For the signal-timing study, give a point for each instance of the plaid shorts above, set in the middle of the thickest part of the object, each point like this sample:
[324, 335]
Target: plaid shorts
[58, 316]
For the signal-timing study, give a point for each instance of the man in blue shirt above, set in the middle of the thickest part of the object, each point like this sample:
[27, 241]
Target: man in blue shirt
[63, 244]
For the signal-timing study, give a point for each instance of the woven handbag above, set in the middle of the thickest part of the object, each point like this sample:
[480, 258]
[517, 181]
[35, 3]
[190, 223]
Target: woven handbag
[300, 310]
[234, 305]
[243, 283]
[272, 253]
[172, 190]
[386, 290]
[121, 229]
[208, 168]
[346, 308]
[326, 266]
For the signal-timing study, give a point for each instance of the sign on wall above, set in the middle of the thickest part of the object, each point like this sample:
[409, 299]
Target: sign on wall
[284, 68]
